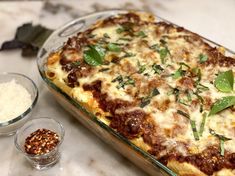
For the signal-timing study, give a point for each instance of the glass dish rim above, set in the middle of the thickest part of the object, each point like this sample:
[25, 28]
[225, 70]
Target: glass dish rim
[46, 154]
[145, 154]
[30, 108]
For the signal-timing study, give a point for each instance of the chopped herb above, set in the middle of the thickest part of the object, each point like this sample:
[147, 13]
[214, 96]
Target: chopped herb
[197, 72]
[155, 47]
[146, 100]
[113, 47]
[128, 54]
[222, 104]
[183, 102]
[91, 35]
[75, 64]
[125, 39]
[184, 64]
[180, 72]
[142, 68]
[176, 92]
[163, 42]
[163, 54]
[103, 69]
[123, 81]
[189, 97]
[192, 123]
[118, 79]
[202, 58]
[157, 68]
[222, 140]
[201, 87]
[106, 35]
[183, 114]
[94, 55]
[202, 126]
[224, 81]
[120, 30]
[141, 34]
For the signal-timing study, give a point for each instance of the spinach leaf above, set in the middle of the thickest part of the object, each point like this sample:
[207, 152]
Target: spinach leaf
[224, 81]
[94, 55]
[222, 104]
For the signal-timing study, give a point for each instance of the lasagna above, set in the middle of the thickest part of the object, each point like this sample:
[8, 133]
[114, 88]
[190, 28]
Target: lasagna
[159, 85]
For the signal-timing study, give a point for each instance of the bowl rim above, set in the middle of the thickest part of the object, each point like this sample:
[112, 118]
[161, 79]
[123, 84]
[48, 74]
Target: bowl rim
[46, 154]
[30, 108]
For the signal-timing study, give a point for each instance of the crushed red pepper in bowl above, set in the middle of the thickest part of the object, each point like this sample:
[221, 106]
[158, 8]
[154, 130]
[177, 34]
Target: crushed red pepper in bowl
[41, 141]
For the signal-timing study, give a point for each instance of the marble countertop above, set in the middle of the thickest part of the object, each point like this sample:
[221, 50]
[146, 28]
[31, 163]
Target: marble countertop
[82, 152]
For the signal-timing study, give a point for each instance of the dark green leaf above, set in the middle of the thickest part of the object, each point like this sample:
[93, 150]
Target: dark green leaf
[183, 114]
[224, 81]
[222, 104]
[104, 69]
[155, 47]
[94, 55]
[155, 92]
[113, 47]
[142, 68]
[125, 39]
[202, 58]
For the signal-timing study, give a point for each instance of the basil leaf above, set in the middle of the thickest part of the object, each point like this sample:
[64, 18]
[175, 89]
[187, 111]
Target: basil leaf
[222, 104]
[202, 58]
[224, 81]
[114, 47]
[94, 55]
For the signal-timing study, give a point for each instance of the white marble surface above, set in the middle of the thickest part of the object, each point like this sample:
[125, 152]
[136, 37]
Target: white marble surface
[83, 153]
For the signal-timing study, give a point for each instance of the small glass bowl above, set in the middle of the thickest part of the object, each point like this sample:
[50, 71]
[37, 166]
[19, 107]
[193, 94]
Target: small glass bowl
[9, 127]
[43, 161]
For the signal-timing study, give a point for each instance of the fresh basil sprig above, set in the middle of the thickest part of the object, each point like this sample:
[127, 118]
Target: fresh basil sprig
[224, 81]
[222, 104]
[94, 55]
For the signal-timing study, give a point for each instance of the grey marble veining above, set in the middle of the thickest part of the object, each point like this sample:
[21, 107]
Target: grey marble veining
[82, 152]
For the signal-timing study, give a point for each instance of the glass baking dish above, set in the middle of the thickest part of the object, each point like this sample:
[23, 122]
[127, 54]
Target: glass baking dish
[141, 158]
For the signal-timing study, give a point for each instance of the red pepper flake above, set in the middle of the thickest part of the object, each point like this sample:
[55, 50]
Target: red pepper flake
[41, 141]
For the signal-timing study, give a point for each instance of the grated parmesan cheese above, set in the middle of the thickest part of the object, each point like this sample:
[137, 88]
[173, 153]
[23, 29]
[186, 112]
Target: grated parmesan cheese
[14, 100]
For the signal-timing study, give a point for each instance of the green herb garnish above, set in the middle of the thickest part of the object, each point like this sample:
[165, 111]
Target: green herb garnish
[106, 35]
[123, 81]
[155, 47]
[128, 54]
[125, 39]
[163, 54]
[192, 123]
[141, 34]
[146, 100]
[222, 140]
[204, 115]
[222, 104]
[202, 58]
[224, 81]
[120, 30]
[94, 55]
[75, 64]
[113, 47]
[157, 68]
[142, 68]
[104, 69]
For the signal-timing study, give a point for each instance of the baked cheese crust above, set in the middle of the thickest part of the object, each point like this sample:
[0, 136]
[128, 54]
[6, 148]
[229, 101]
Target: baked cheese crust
[156, 84]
